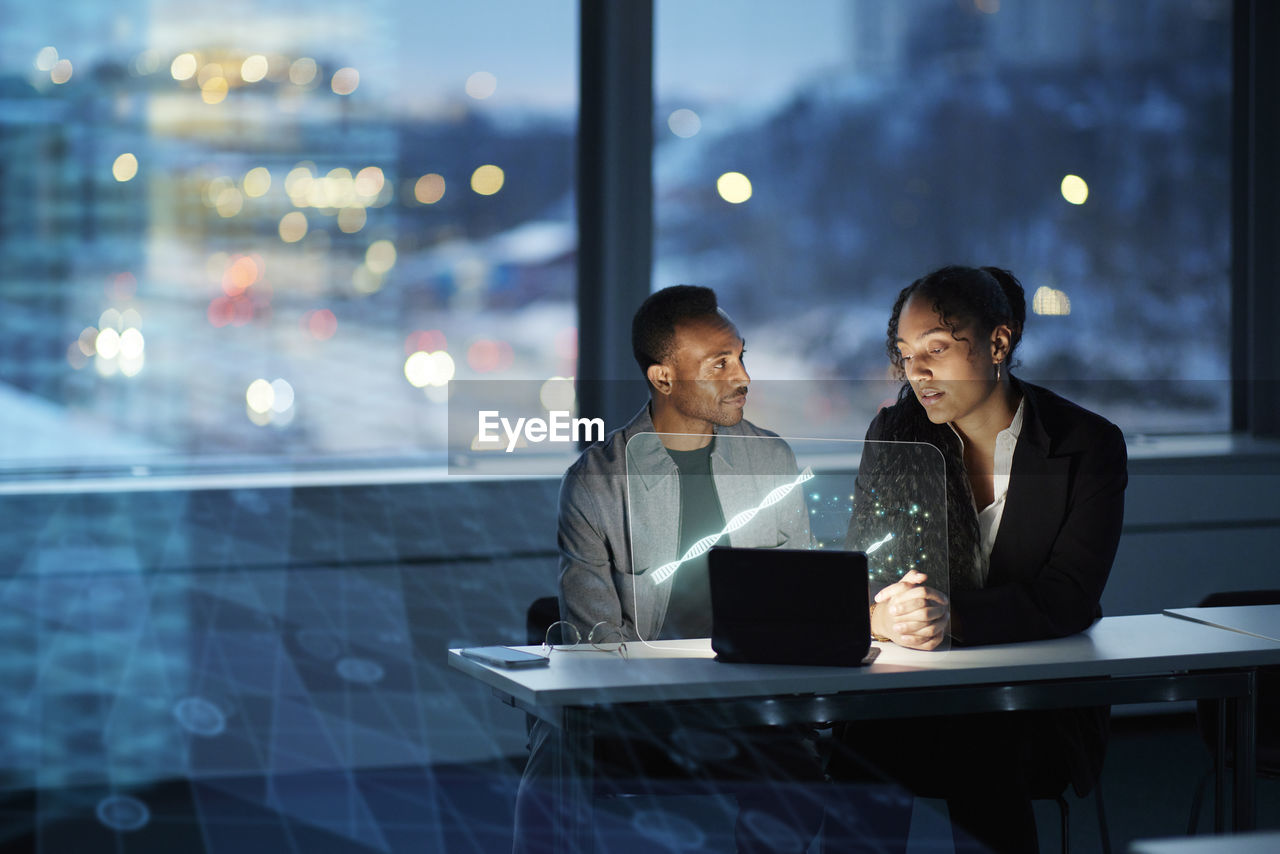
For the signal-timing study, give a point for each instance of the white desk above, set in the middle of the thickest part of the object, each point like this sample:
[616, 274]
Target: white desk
[1261, 621]
[1245, 843]
[1137, 659]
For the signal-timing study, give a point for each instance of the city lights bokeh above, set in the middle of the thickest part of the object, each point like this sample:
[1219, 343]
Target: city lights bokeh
[429, 189]
[423, 369]
[125, 167]
[488, 179]
[1074, 189]
[734, 187]
[684, 123]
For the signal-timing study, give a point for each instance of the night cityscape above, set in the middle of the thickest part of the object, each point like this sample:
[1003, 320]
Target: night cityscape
[277, 217]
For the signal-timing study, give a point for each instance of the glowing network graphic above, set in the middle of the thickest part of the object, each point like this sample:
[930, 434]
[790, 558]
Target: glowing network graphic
[123, 813]
[670, 830]
[359, 670]
[704, 545]
[200, 717]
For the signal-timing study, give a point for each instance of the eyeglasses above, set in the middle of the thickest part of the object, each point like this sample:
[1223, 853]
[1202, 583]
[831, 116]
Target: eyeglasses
[603, 637]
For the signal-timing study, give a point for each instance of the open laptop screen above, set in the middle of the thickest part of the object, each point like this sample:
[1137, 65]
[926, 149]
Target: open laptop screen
[789, 606]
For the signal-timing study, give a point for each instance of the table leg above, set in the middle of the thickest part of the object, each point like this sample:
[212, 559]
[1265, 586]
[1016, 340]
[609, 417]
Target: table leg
[1219, 767]
[1245, 747]
[577, 781]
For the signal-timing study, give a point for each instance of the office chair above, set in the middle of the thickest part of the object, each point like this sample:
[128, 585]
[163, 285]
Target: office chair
[1056, 791]
[1267, 716]
[542, 613]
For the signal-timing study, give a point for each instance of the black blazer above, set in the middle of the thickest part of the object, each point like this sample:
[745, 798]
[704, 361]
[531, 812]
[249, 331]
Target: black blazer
[1061, 526]
[1056, 542]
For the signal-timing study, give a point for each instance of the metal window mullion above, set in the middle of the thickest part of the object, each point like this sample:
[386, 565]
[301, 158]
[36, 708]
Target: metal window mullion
[615, 199]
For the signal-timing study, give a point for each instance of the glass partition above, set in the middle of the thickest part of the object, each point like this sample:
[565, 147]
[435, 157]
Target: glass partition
[886, 499]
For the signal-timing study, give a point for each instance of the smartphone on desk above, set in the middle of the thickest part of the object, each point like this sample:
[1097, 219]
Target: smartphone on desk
[505, 656]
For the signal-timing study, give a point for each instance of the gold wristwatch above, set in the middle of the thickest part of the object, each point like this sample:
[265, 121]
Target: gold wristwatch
[875, 636]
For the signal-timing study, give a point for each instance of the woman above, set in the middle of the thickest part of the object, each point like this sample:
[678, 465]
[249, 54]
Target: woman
[1035, 500]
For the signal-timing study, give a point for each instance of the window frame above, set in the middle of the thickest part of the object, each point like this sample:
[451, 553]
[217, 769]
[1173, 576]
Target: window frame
[1255, 260]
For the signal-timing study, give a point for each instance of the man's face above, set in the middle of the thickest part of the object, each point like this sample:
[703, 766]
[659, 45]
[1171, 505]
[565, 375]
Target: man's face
[710, 379]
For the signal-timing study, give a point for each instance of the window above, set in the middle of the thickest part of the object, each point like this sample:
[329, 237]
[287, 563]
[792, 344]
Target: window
[266, 234]
[810, 166]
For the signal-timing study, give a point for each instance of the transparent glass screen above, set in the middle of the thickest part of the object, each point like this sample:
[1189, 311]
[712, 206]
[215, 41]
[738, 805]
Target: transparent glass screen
[887, 499]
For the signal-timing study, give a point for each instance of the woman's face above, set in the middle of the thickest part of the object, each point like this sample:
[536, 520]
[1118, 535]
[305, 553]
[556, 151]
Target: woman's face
[953, 377]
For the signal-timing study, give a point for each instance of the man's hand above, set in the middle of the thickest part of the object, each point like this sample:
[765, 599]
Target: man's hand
[911, 614]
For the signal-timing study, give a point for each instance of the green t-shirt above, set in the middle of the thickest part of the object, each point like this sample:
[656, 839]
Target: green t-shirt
[689, 609]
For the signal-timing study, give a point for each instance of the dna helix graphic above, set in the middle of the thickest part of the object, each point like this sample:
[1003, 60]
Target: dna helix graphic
[740, 520]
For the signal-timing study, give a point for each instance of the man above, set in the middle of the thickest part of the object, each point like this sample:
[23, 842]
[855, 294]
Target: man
[666, 480]
[692, 356]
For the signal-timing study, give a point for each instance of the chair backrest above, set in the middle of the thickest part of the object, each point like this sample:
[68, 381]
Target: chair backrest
[540, 616]
[1267, 714]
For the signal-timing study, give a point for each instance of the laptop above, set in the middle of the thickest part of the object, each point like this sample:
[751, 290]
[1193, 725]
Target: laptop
[789, 606]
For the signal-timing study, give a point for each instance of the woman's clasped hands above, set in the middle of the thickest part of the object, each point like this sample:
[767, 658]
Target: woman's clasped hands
[911, 614]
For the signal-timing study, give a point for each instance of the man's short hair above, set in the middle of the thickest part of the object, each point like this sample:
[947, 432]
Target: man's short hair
[653, 329]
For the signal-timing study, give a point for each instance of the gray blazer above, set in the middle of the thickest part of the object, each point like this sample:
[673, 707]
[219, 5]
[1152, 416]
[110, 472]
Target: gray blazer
[620, 519]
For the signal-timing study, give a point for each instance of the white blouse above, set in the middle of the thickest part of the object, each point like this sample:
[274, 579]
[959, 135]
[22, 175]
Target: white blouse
[989, 517]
